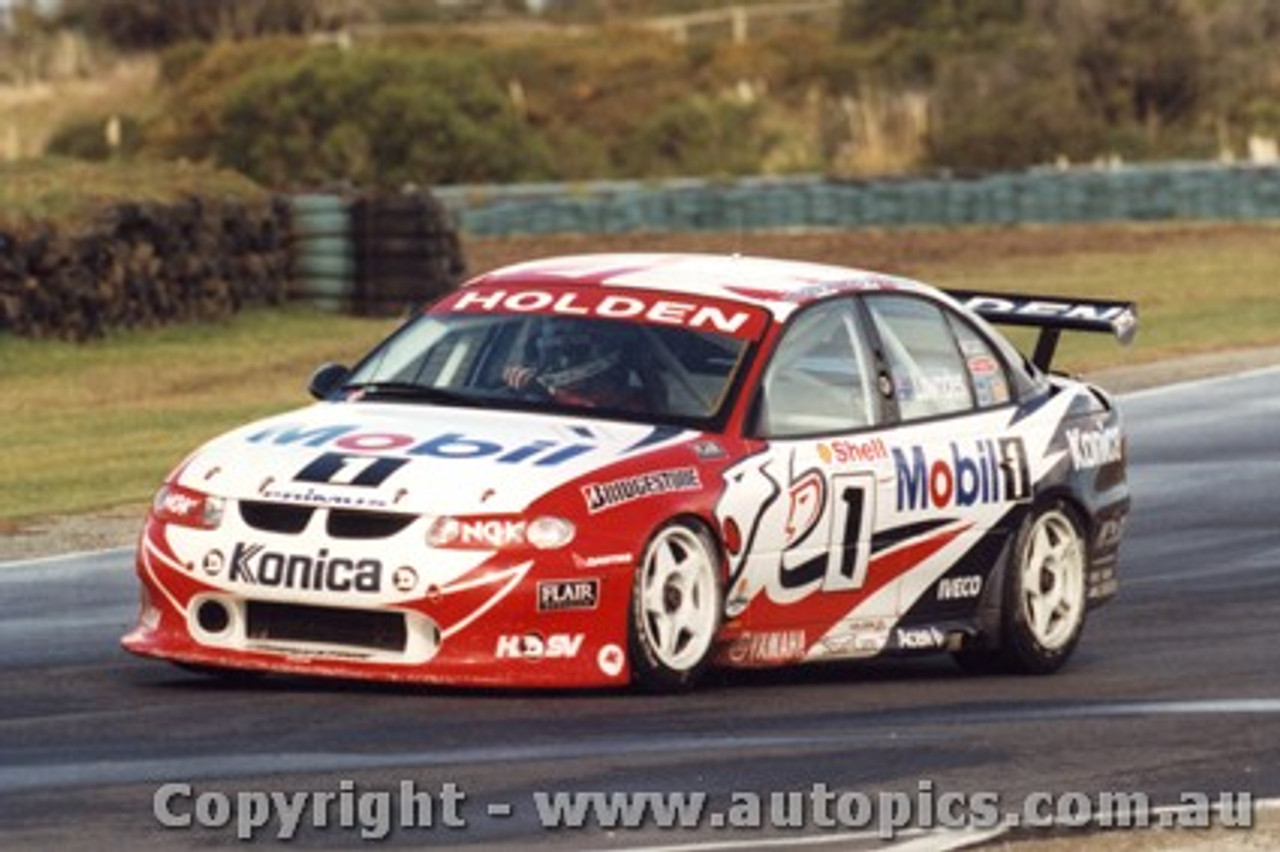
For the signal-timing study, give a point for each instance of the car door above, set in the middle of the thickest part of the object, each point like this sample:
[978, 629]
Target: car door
[800, 514]
[958, 468]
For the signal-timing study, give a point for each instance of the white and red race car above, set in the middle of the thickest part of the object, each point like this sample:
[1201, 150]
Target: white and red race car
[606, 469]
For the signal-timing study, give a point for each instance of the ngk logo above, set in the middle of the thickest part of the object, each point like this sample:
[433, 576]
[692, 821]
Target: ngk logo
[488, 533]
[532, 646]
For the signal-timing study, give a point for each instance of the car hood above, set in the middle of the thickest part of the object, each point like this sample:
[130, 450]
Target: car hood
[413, 458]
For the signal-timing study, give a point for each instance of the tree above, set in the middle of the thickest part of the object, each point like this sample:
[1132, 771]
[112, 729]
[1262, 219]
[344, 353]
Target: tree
[1142, 61]
[1010, 111]
[872, 19]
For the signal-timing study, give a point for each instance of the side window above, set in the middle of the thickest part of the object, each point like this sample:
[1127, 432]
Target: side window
[818, 380]
[986, 371]
[929, 376]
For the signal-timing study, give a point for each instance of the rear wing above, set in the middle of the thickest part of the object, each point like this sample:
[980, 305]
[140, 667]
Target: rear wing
[1052, 315]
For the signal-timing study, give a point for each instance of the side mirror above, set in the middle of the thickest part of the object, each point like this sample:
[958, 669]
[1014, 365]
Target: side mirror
[326, 379]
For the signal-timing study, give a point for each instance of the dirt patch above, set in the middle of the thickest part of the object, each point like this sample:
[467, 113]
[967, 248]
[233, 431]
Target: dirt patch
[1189, 368]
[57, 534]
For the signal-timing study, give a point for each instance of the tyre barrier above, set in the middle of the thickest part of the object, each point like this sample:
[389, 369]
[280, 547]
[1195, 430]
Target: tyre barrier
[374, 255]
[1162, 192]
[143, 265]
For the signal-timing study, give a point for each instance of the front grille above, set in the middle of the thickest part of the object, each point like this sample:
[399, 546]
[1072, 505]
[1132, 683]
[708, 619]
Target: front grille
[353, 628]
[275, 517]
[347, 523]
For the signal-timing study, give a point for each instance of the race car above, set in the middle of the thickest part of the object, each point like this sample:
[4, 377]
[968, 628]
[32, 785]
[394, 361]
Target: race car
[618, 469]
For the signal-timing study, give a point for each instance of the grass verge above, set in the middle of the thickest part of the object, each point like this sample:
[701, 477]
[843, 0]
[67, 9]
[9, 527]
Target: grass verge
[97, 425]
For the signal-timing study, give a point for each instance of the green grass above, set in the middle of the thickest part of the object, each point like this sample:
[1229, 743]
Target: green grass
[98, 425]
[1218, 291]
[51, 189]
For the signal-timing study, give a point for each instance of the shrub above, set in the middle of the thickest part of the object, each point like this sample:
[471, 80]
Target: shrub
[599, 90]
[381, 118]
[697, 135]
[1009, 112]
[191, 124]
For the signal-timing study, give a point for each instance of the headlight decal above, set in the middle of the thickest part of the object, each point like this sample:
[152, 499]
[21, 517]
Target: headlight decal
[177, 504]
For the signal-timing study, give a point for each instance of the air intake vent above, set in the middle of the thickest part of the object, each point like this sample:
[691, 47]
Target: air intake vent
[275, 517]
[371, 630]
[346, 523]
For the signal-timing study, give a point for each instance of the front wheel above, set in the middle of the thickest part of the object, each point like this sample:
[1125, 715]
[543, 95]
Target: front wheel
[1045, 598]
[675, 608]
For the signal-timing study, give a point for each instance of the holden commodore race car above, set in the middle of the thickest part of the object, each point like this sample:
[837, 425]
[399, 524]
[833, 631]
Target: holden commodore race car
[612, 469]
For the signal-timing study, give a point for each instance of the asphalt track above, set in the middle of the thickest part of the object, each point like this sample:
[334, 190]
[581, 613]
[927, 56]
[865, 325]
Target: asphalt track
[1175, 689]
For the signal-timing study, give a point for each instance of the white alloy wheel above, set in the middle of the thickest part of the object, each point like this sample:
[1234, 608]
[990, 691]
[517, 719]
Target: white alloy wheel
[676, 607]
[1052, 587]
[1044, 598]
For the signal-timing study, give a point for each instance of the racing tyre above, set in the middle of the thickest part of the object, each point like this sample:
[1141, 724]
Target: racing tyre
[1044, 598]
[675, 609]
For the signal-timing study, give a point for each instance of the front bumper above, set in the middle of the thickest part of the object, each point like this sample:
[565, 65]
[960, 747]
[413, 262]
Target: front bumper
[559, 620]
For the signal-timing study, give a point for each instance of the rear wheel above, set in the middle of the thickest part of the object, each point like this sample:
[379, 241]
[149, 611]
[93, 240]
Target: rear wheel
[675, 608]
[1045, 598]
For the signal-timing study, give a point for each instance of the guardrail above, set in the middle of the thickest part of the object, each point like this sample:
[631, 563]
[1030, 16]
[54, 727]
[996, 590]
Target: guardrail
[737, 21]
[1049, 196]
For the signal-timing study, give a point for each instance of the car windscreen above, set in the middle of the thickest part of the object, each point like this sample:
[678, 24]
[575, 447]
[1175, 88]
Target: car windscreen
[620, 367]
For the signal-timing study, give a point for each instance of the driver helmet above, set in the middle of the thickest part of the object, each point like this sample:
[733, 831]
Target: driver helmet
[572, 353]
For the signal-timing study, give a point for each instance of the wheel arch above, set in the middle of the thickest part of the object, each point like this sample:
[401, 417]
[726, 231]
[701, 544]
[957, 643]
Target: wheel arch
[992, 605]
[702, 523]
[648, 670]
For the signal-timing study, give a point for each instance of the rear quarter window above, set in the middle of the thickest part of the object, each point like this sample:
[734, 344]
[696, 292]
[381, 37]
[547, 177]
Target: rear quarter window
[930, 376]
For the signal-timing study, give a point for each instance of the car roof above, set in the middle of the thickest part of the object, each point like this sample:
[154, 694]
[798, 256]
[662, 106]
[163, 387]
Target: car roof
[779, 285]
